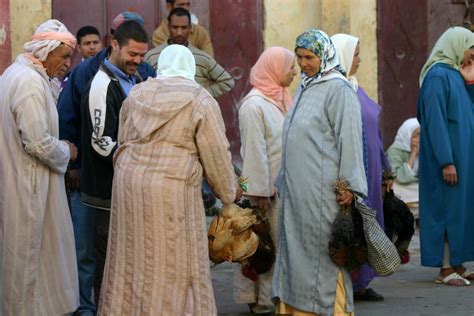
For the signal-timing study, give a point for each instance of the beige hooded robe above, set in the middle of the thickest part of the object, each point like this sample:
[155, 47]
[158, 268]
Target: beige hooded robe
[171, 133]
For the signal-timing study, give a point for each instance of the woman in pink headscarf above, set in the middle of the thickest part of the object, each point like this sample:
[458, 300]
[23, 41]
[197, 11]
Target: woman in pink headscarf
[261, 117]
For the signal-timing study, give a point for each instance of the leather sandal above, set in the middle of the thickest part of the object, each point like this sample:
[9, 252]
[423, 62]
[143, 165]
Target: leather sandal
[468, 275]
[452, 276]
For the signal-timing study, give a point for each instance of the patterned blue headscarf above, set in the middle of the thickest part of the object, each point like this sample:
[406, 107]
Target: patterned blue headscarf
[321, 45]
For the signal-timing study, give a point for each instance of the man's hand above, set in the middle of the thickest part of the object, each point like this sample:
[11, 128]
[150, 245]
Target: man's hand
[73, 179]
[345, 198]
[72, 150]
[415, 146]
[449, 174]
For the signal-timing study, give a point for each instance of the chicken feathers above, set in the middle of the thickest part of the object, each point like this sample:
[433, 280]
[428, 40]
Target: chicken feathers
[230, 237]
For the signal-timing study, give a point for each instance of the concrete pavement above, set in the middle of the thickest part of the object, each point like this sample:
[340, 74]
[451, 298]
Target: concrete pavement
[409, 292]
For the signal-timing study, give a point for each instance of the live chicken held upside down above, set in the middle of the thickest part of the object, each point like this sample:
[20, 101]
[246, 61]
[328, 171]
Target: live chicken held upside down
[230, 234]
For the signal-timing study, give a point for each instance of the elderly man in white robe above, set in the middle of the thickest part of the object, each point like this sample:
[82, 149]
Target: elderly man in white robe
[38, 271]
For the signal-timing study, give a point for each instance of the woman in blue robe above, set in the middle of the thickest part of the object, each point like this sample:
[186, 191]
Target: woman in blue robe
[446, 170]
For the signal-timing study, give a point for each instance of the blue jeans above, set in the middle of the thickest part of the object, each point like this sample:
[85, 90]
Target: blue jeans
[83, 222]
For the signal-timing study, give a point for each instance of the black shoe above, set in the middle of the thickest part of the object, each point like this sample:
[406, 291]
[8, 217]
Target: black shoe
[369, 296]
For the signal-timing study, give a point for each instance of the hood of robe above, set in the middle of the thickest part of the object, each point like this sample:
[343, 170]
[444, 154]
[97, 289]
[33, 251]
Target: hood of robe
[153, 103]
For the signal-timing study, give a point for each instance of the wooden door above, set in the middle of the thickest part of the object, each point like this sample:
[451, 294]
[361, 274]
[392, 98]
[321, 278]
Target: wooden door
[236, 28]
[76, 14]
[5, 36]
[404, 43]
[441, 16]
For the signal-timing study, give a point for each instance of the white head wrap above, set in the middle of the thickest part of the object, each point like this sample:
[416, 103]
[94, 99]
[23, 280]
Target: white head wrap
[403, 138]
[346, 46]
[177, 61]
[47, 37]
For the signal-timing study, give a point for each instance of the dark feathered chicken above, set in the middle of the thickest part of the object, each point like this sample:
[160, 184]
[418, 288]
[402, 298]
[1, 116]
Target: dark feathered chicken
[399, 224]
[347, 246]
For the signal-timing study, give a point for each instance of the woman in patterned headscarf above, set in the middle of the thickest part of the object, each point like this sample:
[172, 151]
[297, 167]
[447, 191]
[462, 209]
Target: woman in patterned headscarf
[322, 142]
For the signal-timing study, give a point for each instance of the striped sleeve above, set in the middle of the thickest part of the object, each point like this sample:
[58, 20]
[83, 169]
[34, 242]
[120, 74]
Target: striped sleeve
[220, 81]
[102, 117]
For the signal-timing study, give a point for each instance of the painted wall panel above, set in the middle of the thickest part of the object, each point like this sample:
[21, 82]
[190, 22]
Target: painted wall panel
[25, 16]
[404, 44]
[285, 20]
[237, 37]
[76, 14]
[5, 33]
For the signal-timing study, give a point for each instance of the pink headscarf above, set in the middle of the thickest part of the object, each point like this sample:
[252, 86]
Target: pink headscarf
[65, 37]
[47, 37]
[268, 73]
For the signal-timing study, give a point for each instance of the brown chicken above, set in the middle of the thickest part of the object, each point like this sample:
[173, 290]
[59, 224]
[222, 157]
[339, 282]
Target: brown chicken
[230, 235]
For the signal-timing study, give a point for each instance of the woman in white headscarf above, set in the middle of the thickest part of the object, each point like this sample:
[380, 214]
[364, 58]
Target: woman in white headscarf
[375, 161]
[171, 132]
[38, 272]
[403, 156]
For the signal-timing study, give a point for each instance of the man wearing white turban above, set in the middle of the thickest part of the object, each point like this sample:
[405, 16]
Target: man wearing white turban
[38, 271]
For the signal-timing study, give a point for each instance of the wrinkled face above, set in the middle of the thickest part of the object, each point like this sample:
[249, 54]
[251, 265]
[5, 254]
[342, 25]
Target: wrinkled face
[468, 56]
[185, 4]
[89, 45]
[58, 61]
[289, 77]
[129, 56]
[179, 27]
[416, 134]
[355, 61]
[308, 61]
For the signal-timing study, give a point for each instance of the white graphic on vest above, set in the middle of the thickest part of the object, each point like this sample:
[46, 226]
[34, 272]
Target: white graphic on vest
[102, 144]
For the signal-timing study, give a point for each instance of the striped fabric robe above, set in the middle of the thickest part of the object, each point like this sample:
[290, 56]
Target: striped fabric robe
[171, 132]
[38, 270]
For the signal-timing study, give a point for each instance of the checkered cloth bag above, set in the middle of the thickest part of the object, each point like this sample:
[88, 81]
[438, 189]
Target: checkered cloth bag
[382, 254]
